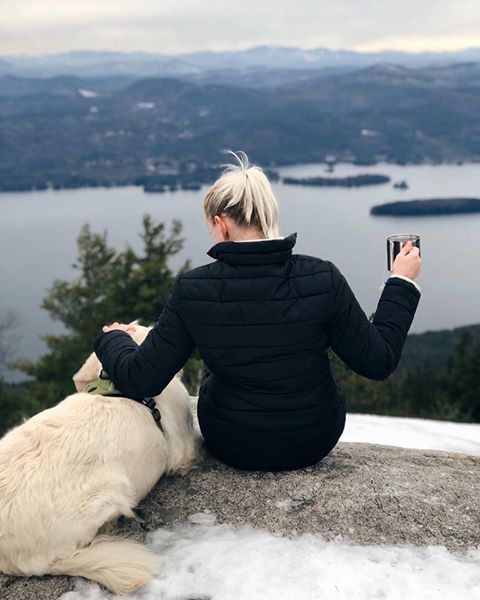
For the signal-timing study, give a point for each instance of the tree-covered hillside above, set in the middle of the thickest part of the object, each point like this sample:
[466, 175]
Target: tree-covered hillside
[70, 132]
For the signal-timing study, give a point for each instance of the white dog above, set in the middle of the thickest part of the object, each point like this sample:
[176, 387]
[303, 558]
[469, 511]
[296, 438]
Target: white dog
[69, 470]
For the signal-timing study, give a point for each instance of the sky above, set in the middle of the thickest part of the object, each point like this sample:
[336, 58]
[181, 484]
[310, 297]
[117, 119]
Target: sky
[37, 27]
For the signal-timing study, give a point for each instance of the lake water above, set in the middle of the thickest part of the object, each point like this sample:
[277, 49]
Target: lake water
[38, 233]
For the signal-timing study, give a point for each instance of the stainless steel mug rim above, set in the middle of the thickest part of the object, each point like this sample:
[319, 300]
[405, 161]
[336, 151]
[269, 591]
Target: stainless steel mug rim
[398, 236]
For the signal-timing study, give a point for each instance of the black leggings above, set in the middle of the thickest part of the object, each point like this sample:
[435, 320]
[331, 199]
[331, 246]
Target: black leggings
[282, 459]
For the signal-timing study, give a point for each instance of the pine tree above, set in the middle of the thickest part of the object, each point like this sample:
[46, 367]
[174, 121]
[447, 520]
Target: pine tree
[111, 286]
[462, 378]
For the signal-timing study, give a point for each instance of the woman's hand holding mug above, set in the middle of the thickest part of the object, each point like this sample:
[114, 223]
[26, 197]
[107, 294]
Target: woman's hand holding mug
[408, 261]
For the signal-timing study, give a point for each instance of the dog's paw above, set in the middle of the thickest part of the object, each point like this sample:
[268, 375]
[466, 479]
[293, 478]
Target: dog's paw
[183, 470]
[141, 520]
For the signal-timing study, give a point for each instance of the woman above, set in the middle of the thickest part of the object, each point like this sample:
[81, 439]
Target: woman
[263, 319]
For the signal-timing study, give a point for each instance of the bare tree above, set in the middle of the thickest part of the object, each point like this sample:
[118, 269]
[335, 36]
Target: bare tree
[9, 321]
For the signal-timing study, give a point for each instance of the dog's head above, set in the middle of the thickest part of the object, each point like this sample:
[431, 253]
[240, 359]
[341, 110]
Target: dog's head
[90, 370]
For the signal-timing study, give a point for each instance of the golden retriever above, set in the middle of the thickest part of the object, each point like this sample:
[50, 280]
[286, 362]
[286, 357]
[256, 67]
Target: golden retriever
[70, 471]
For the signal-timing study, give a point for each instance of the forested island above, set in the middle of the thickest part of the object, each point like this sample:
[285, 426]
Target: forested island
[349, 181]
[432, 206]
[183, 175]
[190, 180]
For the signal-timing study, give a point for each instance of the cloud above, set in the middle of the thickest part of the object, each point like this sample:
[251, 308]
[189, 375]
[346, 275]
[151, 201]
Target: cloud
[176, 26]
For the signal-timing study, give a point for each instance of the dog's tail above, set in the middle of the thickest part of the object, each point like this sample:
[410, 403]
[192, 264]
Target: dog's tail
[123, 566]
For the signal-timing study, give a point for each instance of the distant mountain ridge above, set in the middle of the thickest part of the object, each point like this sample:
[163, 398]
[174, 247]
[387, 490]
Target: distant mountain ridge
[194, 64]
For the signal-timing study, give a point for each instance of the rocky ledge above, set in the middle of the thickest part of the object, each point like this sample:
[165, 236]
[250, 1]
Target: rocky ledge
[365, 493]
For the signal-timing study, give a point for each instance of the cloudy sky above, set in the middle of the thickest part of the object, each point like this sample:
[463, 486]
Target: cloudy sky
[176, 26]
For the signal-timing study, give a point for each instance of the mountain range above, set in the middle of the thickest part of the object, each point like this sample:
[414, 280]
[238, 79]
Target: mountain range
[200, 65]
[73, 130]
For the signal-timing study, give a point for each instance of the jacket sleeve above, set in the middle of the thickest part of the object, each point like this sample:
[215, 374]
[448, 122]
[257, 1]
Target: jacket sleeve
[407, 279]
[146, 369]
[372, 349]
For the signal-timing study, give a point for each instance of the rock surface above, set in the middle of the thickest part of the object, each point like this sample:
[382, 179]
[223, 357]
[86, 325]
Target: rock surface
[366, 493]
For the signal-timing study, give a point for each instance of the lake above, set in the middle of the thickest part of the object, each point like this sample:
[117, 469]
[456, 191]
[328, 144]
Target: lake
[38, 233]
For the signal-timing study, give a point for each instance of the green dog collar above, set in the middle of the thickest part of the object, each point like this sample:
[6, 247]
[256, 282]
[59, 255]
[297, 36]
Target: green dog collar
[103, 386]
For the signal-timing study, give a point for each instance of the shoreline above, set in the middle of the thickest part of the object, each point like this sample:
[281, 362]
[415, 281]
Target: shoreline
[271, 171]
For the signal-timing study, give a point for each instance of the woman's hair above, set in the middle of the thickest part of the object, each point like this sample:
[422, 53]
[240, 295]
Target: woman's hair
[243, 193]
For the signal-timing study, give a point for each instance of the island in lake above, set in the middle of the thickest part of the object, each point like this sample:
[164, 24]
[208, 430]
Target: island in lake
[432, 206]
[191, 179]
[350, 181]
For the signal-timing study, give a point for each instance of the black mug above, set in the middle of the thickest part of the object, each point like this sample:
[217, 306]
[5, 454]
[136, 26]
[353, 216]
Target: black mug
[395, 244]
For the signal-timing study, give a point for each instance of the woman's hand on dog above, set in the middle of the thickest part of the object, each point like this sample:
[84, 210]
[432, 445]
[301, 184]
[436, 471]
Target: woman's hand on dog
[128, 328]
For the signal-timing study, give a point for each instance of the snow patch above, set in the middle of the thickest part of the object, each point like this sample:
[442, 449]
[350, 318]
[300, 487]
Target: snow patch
[145, 105]
[369, 133]
[203, 518]
[87, 93]
[425, 434]
[221, 562]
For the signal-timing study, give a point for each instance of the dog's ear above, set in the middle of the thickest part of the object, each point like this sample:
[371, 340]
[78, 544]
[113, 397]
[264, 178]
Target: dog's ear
[134, 322]
[89, 371]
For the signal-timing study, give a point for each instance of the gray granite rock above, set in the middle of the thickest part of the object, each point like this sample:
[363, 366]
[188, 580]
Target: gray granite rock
[365, 493]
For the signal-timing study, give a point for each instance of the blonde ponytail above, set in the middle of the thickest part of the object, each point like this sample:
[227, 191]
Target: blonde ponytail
[243, 192]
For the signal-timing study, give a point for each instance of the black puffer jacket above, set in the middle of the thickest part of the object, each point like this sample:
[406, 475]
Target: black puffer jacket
[263, 319]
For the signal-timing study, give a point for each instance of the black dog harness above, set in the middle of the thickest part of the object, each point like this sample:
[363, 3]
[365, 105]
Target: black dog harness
[104, 387]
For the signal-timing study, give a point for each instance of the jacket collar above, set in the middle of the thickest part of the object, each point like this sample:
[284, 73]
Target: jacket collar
[254, 253]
